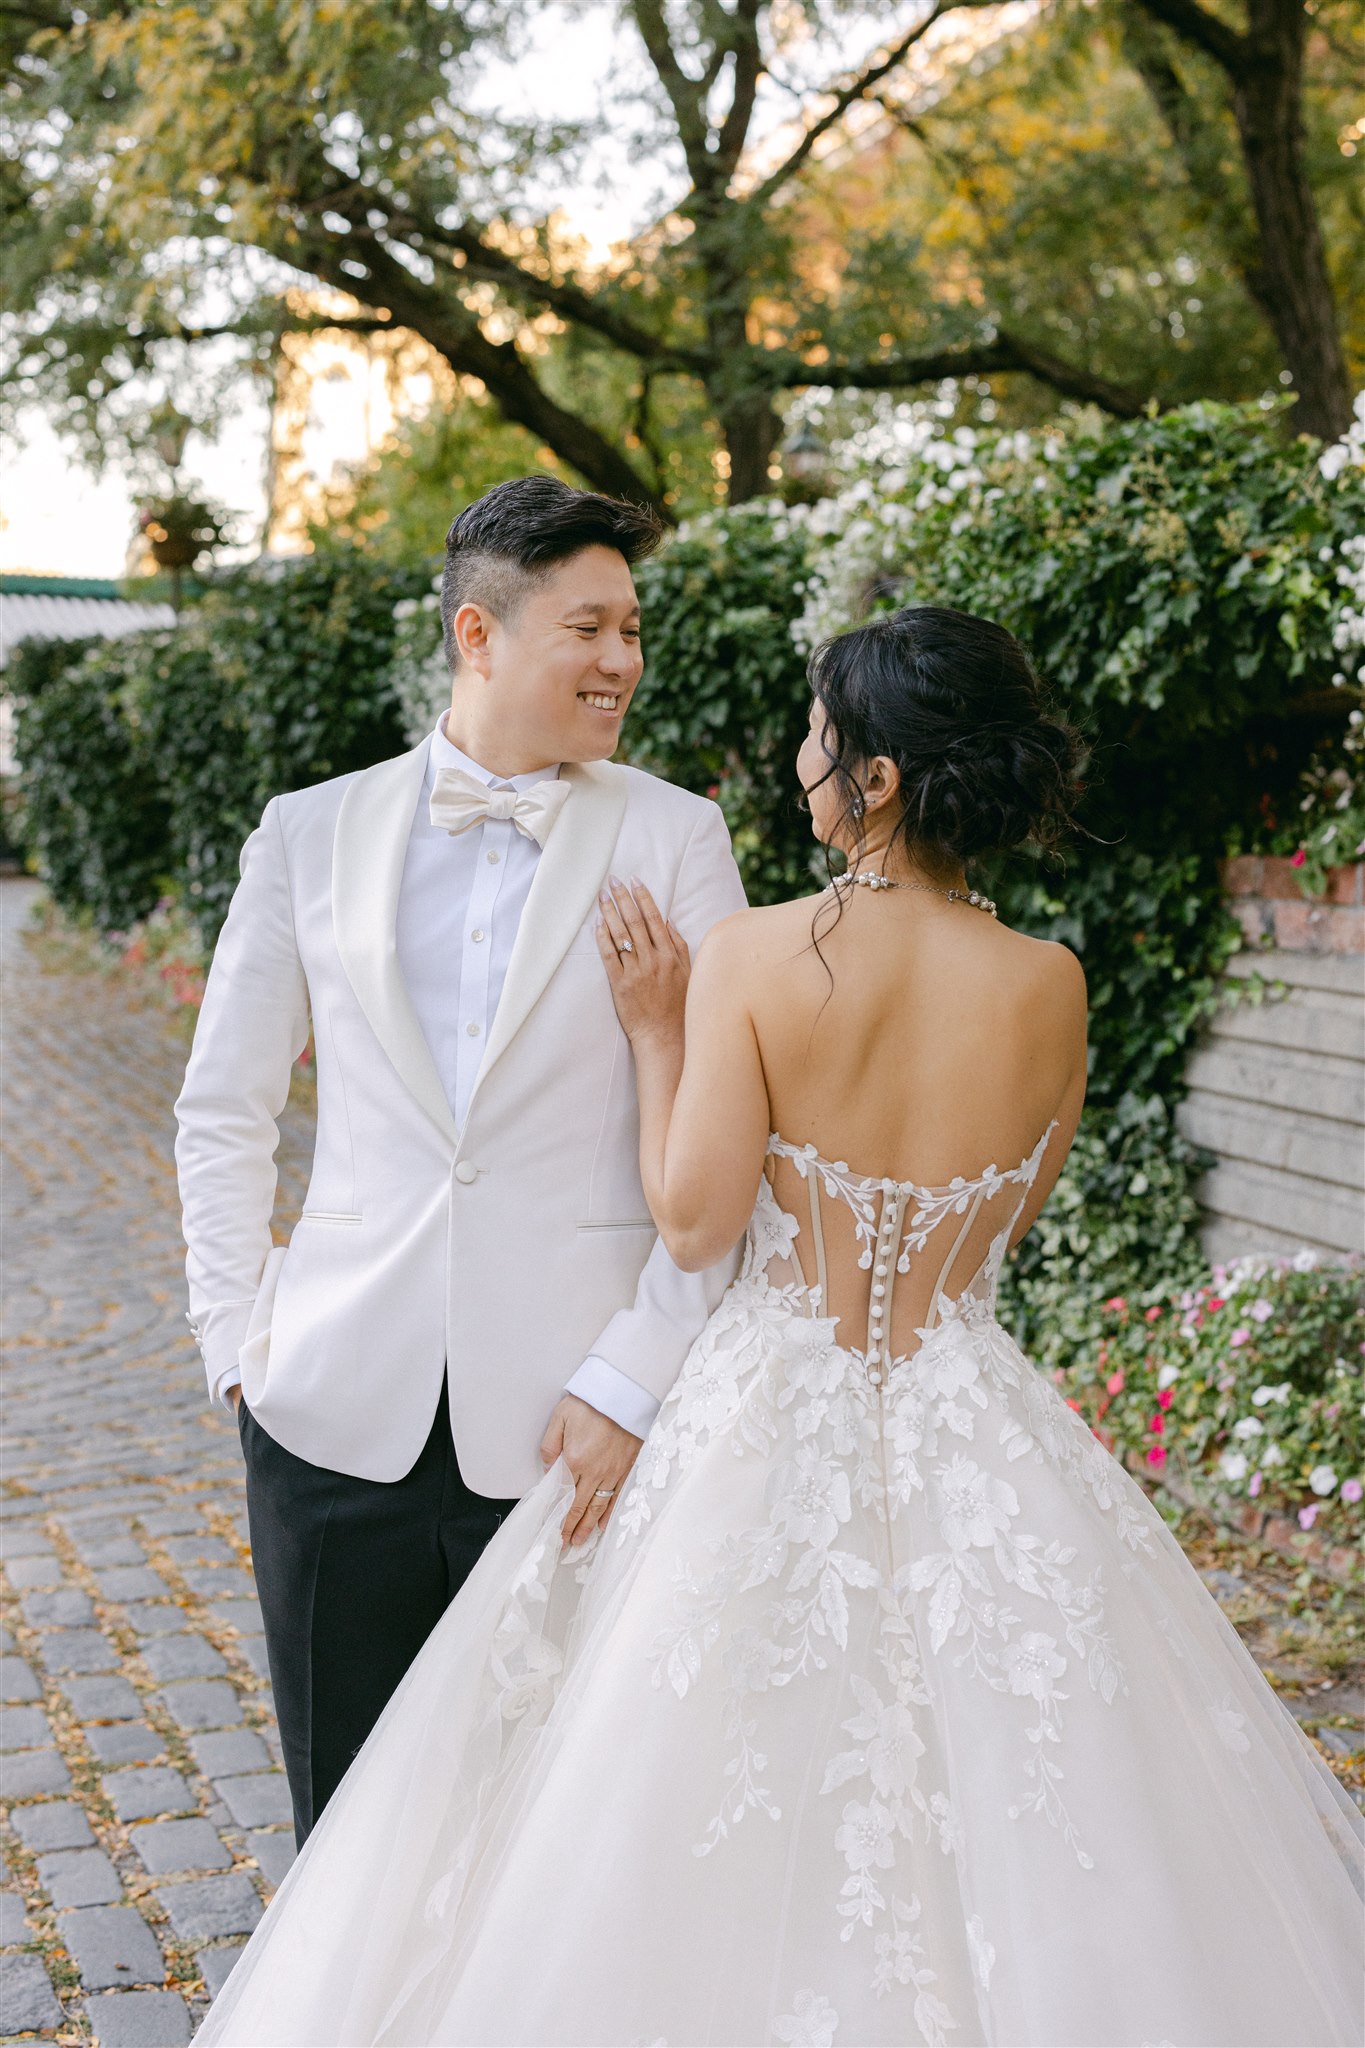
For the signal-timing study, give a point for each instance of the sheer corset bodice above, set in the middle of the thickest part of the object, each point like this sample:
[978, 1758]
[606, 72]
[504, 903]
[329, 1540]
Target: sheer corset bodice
[883, 1259]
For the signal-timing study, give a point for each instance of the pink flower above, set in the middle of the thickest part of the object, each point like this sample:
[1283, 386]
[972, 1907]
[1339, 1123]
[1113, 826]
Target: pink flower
[1261, 1311]
[1241, 1335]
[1117, 1303]
[1157, 1455]
[1157, 1425]
[1075, 1406]
[1308, 1515]
[1115, 1383]
[1351, 1489]
[1296, 860]
[1215, 1301]
[1154, 1313]
[1254, 1484]
[1165, 1397]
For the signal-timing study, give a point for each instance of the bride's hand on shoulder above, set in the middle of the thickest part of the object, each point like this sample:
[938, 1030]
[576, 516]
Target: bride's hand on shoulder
[647, 962]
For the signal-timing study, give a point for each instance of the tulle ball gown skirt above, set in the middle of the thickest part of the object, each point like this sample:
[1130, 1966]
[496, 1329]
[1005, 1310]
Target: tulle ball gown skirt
[881, 1713]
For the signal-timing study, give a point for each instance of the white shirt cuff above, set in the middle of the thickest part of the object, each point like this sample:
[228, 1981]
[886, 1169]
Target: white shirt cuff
[612, 1394]
[230, 1379]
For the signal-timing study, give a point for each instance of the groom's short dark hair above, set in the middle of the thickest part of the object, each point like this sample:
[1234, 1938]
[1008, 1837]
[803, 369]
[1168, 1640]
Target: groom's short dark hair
[515, 534]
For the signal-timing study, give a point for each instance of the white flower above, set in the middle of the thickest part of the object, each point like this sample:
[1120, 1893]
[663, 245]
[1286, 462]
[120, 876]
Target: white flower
[812, 2023]
[1168, 1376]
[1032, 1663]
[973, 1507]
[1264, 1394]
[890, 1744]
[751, 1661]
[1304, 1261]
[865, 1840]
[1232, 1465]
[1322, 1479]
[809, 1497]
[1272, 1455]
[1249, 1426]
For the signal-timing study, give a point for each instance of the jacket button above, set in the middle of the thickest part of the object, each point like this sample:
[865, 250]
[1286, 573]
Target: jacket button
[465, 1173]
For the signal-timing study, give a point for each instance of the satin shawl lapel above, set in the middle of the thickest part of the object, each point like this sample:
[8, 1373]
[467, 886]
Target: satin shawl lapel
[368, 852]
[568, 876]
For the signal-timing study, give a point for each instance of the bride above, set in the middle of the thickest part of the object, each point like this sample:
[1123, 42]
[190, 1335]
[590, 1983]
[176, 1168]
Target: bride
[883, 1708]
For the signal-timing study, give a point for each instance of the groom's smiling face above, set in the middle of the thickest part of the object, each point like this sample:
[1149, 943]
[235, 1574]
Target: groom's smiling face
[551, 678]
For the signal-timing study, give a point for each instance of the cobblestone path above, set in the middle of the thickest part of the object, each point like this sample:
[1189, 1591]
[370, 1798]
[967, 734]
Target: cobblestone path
[145, 1815]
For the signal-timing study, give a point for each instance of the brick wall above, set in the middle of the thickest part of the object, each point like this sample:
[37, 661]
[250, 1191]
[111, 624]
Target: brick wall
[1268, 902]
[1277, 1083]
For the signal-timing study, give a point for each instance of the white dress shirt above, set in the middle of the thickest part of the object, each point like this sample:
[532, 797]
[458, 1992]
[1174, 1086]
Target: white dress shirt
[459, 908]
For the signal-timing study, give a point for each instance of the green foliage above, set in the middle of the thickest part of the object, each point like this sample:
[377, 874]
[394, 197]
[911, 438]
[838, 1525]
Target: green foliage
[94, 808]
[1122, 1213]
[1249, 1382]
[148, 760]
[724, 702]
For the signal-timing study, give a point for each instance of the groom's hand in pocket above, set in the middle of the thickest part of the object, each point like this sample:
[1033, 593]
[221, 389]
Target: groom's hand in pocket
[598, 1454]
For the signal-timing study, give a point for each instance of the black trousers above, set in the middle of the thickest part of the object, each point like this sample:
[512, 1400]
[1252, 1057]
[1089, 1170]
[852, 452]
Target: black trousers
[352, 1575]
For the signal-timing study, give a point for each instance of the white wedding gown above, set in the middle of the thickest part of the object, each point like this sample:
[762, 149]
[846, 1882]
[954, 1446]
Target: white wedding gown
[886, 1710]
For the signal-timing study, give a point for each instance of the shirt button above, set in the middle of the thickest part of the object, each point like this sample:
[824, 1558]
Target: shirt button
[465, 1172]
[477, 937]
[492, 857]
[472, 1029]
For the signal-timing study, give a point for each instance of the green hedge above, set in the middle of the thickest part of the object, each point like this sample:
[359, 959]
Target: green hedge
[147, 760]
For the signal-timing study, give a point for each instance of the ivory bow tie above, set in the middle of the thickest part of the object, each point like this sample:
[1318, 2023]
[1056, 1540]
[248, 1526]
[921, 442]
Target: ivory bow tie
[459, 801]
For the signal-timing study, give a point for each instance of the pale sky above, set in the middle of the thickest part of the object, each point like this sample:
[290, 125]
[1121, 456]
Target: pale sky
[58, 519]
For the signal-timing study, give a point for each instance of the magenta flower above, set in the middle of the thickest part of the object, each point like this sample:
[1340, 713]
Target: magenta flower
[1115, 1383]
[1254, 1484]
[1157, 1455]
[1165, 1397]
[1296, 860]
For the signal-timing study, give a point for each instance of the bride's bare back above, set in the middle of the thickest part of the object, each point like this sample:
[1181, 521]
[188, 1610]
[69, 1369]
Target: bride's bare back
[929, 1046]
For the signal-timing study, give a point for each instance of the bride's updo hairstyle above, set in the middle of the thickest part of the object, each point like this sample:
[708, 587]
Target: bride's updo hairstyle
[955, 702]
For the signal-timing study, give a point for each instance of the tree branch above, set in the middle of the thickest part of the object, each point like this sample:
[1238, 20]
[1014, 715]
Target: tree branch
[684, 95]
[975, 359]
[846, 97]
[482, 259]
[454, 332]
[748, 55]
[1205, 30]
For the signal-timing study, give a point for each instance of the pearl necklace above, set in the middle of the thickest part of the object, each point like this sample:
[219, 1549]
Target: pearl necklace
[876, 881]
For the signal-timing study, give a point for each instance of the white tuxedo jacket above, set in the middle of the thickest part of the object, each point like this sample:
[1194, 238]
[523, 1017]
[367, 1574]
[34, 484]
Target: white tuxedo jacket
[513, 1248]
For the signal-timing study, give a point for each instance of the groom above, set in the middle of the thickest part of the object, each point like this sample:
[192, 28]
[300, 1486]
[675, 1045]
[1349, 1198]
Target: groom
[474, 1287]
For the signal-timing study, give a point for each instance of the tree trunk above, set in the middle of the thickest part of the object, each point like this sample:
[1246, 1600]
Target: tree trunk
[750, 427]
[1267, 99]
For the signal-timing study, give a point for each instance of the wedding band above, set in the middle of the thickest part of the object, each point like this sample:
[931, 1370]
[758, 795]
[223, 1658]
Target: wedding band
[604, 1493]
[626, 947]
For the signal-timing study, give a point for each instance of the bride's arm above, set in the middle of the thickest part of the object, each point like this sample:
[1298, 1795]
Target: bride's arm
[704, 1117]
